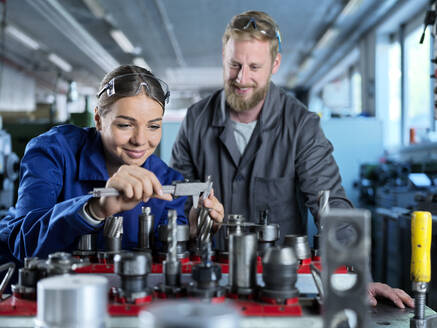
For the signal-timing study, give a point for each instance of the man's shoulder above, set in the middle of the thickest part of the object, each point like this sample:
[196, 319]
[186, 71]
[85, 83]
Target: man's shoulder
[294, 109]
[204, 105]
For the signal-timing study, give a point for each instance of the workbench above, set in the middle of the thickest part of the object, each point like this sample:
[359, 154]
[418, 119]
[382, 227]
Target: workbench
[383, 315]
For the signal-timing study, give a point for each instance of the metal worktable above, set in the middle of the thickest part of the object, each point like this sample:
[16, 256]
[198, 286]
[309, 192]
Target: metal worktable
[383, 315]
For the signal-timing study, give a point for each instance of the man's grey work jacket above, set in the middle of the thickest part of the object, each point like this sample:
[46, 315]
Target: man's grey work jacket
[287, 161]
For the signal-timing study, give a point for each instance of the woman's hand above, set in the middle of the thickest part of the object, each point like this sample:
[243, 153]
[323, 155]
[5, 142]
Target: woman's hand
[216, 213]
[135, 184]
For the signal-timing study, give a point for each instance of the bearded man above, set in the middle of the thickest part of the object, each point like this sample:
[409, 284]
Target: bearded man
[262, 147]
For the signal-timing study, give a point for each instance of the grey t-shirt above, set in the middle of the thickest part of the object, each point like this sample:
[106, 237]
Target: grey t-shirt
[242, 133]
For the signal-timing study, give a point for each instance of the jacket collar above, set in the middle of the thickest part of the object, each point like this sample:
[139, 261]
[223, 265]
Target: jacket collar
[92, 164]
[269, 112]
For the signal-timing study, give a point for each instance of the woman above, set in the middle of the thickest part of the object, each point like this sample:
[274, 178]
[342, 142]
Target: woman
[61, 166]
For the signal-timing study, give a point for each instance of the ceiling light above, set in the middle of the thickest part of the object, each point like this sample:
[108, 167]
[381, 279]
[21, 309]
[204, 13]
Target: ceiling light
[350, 8]
[61, 63]
[123, 41]
[95, 7]
[23, 38]
[309, 61]
[326, 39]
[139, 61]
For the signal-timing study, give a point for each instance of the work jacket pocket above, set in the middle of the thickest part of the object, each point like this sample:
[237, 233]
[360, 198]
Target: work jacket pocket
[278, 196]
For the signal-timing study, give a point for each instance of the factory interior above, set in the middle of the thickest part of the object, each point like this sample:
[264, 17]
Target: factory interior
[364, 70]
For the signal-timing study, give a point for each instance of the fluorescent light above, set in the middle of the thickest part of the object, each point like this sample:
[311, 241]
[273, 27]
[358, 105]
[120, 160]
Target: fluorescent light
[61, 63]
[22, 37]
[309, 61]
[139, 61]
[95, 7]
[123, 41]
[350, 8]
[326, 38]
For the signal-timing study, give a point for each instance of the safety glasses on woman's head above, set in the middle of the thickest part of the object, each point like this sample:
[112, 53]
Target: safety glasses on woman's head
[131, 84]
[246, 22]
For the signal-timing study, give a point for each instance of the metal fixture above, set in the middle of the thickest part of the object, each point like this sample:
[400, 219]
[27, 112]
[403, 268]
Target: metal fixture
[72, 301]
[184, 314]
[268, 233]
[352, 252]
[113, 232]
[299, 244]
[133, 269]
[206, 276]
[146, 223]
[182, 232]
[279, 274]
[242, 263]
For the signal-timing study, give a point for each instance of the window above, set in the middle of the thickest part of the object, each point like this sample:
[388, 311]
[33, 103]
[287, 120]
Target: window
[417, 84]
[393, 123]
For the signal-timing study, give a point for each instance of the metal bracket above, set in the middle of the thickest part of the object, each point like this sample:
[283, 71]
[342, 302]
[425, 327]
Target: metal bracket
[345, 241]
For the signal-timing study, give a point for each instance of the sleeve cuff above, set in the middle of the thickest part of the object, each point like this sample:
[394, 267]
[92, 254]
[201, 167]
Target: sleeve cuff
[90, 220]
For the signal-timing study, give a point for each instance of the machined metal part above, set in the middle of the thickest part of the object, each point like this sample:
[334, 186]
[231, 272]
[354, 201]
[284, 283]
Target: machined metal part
[242, 263]
[352, 250]
[204, 221]
[72, 301]
[184, 314]
[133, 268]
[10, 269]
[193, 189]
[323, 202]
[299, 244]
[113, 232]
[87, 242]
[146, 222]
[206, 276]
[268, 233]
[317, 276]
[279, 274]
[182, 238]
[60, 263]
[33, 270]
[172, 266]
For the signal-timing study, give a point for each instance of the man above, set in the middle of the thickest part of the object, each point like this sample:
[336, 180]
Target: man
[262, 147]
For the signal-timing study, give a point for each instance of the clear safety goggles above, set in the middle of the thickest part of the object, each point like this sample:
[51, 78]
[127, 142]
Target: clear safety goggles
[246, 22]
[131, 84]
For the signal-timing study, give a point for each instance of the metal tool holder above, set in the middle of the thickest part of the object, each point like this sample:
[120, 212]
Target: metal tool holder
[206, 276]
[172, 287]
[182, 232]
[267, 232]
[133, 269]
[86, 246]
[242, 263]
[353, 251]
[113, 237]
[146, 224]
[279, 275]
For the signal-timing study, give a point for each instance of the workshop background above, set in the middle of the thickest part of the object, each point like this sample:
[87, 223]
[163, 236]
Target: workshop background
[357, 63]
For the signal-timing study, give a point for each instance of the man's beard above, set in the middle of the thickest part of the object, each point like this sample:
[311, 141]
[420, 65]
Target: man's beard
[238, 103]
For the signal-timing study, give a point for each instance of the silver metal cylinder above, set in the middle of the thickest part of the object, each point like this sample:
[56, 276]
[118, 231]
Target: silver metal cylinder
[299, 244]
[145, 228]
[72, 301]
[189, 315]
[87, 242]
[242, 263]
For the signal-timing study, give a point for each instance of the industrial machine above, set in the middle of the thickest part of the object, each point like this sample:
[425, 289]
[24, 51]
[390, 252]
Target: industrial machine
[252, 279]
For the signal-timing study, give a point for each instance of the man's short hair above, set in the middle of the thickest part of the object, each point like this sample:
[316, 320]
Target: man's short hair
[254, 25]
